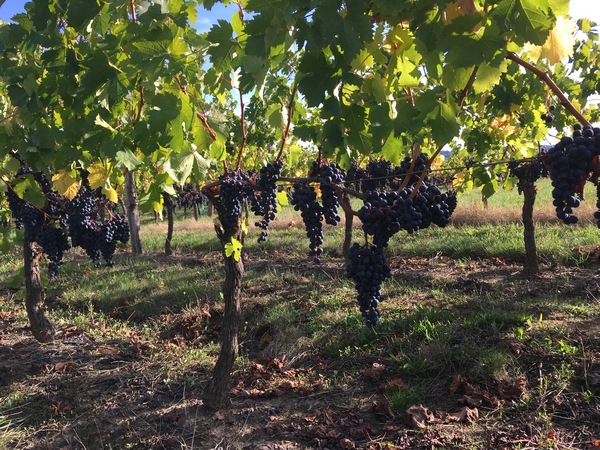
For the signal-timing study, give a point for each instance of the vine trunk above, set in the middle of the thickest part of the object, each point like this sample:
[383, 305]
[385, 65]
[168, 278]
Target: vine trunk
[41, 328]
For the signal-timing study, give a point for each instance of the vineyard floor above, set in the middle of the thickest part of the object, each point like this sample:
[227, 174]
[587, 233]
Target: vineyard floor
[468, 354]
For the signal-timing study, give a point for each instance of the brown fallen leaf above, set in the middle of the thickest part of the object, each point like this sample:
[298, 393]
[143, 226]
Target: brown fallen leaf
[107, 350]
[515, 390]
[456, 384]
[420, 416]
[346, 444]
[382, 405]
[374, 372]
[394, 383]
[466, 414]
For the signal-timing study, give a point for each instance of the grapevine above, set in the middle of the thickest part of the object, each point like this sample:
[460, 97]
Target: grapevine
[52, 225]
[264, 202]
[571, 162]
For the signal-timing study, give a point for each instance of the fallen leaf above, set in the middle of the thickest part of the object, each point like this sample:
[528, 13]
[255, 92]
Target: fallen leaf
[394, 383]
[107, 350]
[420, 416]
[346, 444]
[382, 405]
[374, 372]
[466, 414]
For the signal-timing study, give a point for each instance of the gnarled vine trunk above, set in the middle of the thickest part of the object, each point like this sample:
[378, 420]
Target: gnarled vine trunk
[531, 266]
[216, 393]
[169, 207]
[41, 328]
[349, 218]
[133, 213]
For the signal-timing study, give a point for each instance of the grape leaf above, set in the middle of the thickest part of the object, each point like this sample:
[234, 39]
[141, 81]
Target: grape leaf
[111, 194]
[391, 149]
[532, 18]
[28, 189]
[98, 174]
[233, 249]
[65, 184]
[282, 198]
[558, 46]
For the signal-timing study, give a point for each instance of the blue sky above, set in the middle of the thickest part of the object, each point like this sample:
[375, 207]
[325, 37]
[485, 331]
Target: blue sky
[205, 18]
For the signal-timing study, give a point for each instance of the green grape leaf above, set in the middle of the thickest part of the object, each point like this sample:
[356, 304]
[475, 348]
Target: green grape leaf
[531, 19]
[444, 126]
[391, 149]
[28, 189]
[282, 198]
[233, 249]
[128, 159]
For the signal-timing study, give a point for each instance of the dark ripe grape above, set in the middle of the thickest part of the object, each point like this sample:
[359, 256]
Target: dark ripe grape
[368, 268]
[402, 171]
[235, 188]
[356, 175]
[527, 172]
[571, 161]
[189, 196]
[379, 173]
[385, 213]
[304, 199]
[330, 174]
[264, 203]
[54, 242]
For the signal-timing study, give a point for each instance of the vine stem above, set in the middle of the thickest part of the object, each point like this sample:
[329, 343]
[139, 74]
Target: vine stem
[564, 101]
[465, 91]
[243, 125]
[290, 111]
[12, 114]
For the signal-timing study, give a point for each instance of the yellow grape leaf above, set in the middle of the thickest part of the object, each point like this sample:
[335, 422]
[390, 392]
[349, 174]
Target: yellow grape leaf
[233, 248]
[98, 174]
[111, 194]
[245, 225]
[65, 184]
[282, 198]
[558, 45]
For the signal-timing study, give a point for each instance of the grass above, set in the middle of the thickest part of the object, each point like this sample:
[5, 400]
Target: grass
[137, 342]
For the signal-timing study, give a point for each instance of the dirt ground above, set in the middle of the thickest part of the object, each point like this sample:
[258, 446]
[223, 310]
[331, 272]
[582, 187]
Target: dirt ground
[82, 392]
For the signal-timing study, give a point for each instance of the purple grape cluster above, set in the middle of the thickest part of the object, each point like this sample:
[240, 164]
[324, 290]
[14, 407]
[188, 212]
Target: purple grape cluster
[264, 203]
[330, 175]
[304, 199]
[571, 161]
[368, 268]
[235, 189]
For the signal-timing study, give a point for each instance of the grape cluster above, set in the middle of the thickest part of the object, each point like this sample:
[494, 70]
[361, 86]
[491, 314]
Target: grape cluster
[571, 161]
[402, 171]
[368, 268]
[264, 203]
[355, 176]
[98, 239]
[385, 213]
[329, 175]
[528, 172]
[189, 196]
[40, 223]
[379, 172]
[548, 117]
[54, 242]
[304, 199]
[111, 231]
[58, 219]
[235, 188]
